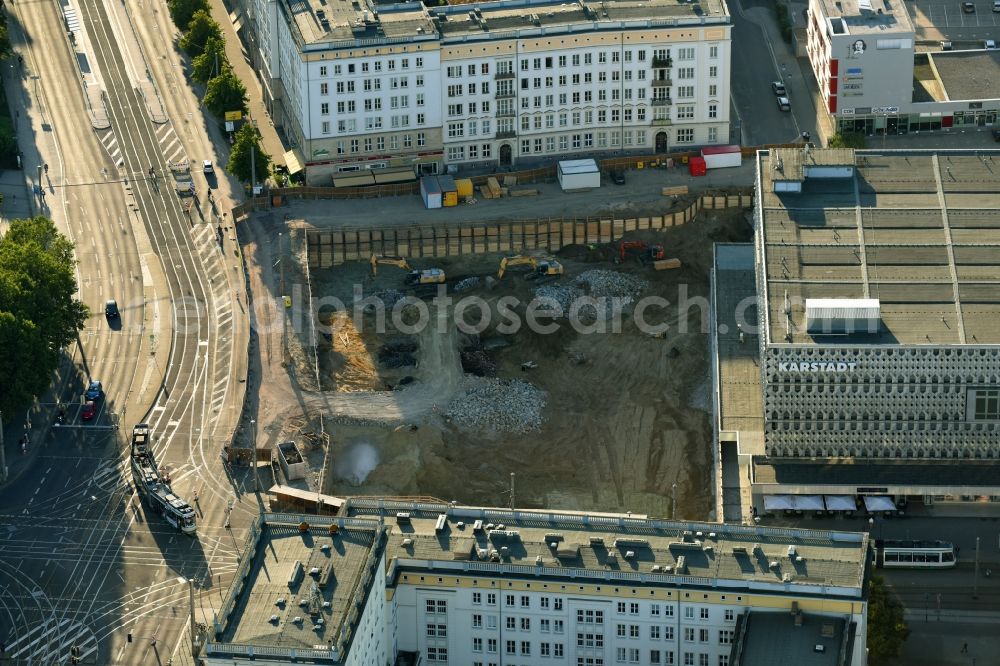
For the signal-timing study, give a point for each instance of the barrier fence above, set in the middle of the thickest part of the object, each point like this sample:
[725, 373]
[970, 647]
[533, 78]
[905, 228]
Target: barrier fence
[329, 248]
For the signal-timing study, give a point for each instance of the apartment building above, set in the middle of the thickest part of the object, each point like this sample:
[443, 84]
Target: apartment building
[364, 85]
[398, 582]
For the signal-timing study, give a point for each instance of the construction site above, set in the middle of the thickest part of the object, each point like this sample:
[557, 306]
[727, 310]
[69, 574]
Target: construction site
[577, 404]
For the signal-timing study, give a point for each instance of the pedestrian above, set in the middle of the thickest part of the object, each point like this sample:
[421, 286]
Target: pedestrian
[965, 648]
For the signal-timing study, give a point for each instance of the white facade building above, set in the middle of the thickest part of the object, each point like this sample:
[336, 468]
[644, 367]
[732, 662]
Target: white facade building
[368, 85]
[441, 584]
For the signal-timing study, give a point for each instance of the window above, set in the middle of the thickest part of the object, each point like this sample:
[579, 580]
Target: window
[558, 649]
[562, 61]
[702, 659]
[526, 648]
[324, 108]
[986, 404]
[341, 149]
[703, 613]
[368, 144]
[726, 636]
[511, 647]
[350, 69]
[668, 633]
[620, 655]
[526, 146]
[682, 113]
[685, 135]
[324, 89]
[473, 152]
[713, 135]
[620, 630]
[689, 634]
[544, 602]
[558, 624]
[654, 656]
[545, 624]
[326, 126]
[419, 62]
[477, 644]
[471, 69]
[322, 70]
[654, 633]
[633, 607]
[525, 624]
[713, 51]
[713, 90]
[668, 611]
[550, 144]
[686, 53]
[436, 606]
[511, 622]
[703, 635]
[437, 654]
[420, 80]
[477, 621]
[685, 72]
[491, 645]
[730, 615]
[689, 659]
[713, 71]
[491, 598]
[544, 649]
[713, 110]
[723, 660]
[484, 68]
[633, 631]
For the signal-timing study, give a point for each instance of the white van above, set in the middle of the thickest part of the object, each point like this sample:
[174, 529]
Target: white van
[996, 5]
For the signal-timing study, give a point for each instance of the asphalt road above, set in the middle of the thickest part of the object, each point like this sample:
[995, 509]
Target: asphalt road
[81, 562]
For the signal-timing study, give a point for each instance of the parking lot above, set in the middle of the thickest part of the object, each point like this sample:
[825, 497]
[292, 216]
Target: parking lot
[945, 20]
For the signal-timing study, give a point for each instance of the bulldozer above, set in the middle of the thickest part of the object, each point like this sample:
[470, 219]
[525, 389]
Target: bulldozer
[652, 252]
[546, 266]
[426, 276]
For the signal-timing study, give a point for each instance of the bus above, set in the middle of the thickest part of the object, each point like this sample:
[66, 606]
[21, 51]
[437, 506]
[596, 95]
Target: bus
[915, 554]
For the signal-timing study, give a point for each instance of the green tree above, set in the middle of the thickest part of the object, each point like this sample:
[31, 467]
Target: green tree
[182, 11]
[212, 61]
[225, 93]
[38, 314]
[201, 28]
[247, 143]
[886, 627]
[5, 47]
[847, 140]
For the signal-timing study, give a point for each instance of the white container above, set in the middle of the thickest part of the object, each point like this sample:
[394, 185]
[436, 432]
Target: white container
[579, 175]
[430, 191]
[717, 157]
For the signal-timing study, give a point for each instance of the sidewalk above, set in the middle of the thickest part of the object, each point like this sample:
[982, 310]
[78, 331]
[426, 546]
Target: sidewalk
[270, 141]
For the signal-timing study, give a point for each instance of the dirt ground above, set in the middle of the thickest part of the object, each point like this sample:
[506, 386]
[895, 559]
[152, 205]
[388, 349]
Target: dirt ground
[626, 415]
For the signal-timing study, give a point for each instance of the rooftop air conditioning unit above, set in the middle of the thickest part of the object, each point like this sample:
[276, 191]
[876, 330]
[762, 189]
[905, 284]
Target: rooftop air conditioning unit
[297, 619]
[407, 541]
[274, 618]
[773, 564]
[538, 560]
[280, 601]
[629, 554]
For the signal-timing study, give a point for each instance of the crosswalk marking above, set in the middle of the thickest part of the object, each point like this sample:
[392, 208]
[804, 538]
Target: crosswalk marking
[171, 145]
[109, 140]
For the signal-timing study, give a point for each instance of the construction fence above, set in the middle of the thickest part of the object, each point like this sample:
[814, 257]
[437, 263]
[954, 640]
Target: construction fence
[328, 248]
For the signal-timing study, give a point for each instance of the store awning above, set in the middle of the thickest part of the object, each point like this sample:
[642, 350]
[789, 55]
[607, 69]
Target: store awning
[777, 502]
[840, 503]
[807, 502]
[879, 503]
[294, 161]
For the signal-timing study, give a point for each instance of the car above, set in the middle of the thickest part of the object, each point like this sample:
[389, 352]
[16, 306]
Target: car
[618, 177]
[989, 44]
[111, 309]
[996, 134]
[784, 104]
[778, 88]
[996, 5]
[94, 390]
[207, 166]
[89, 410]
[946, 46]
[969, 7]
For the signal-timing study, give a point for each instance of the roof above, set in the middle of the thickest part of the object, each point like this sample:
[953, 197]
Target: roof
[578, 166]
[968, 75]
[866, 473]
[775, 638]
[867, 17]
[623, 548]
[916, 230]
[720, 150]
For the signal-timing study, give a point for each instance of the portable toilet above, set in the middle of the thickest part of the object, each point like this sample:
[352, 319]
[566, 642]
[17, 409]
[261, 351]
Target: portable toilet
[696, 166]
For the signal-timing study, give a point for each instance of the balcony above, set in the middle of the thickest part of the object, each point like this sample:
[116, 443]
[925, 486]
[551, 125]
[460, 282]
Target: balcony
[505, 94]
[662, 101]
[506, 134]
[659, 122]
[660, 63]
[506, 113]
[500, 76]
[662, 83]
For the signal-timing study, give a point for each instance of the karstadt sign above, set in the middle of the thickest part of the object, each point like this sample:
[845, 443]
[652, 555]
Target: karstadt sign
[816, 366]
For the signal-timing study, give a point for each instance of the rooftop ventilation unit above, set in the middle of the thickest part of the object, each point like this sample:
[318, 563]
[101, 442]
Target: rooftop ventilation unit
[843, 316]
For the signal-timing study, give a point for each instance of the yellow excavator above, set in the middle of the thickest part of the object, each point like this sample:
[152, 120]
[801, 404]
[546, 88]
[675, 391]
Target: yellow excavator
[426, 276]
[546, 266]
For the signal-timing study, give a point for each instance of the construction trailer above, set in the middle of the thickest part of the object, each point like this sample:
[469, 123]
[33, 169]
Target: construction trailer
[430, 192]
[449, 191]
[578, 175]
[718, 157]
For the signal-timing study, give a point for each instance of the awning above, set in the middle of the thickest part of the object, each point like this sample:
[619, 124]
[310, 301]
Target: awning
[879, 503]
[807, 502]
[293, 160]
[777, 502]
[840, 503]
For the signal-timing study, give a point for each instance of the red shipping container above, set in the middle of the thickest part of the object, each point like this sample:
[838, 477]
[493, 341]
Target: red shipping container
[696, 166]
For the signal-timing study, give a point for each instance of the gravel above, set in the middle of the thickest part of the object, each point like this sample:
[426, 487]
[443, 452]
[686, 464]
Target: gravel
[466, 284]
[563, 294]
[499, 405]
[601, 283]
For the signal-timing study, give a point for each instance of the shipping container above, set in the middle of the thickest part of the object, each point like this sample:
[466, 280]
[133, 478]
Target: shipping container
[353, 179]
[394, 175]
[717, 157]
[449, 191]
[464, 186]
[579, 175]
[430, 192]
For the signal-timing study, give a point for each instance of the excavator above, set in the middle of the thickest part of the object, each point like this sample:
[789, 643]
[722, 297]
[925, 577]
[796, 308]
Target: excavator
[426, 276]
[653, 252]
[546, 266]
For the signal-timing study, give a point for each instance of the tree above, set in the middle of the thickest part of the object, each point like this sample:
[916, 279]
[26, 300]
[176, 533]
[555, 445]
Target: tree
[182, 11]
[38, 314]
[886, 627]
[5, 47]
[212, 61]
[201, 28]
[247, 143]
[847, 140]
[225, 93]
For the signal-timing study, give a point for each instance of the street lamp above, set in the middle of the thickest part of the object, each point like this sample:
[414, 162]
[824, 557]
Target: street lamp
[673, 502]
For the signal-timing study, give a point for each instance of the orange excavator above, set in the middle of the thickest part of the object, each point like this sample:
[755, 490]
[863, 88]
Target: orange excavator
[653, 252]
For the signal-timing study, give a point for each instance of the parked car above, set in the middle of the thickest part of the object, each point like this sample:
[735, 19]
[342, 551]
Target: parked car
[111, 309]
[946, 46]
[784, 104]
[996, 5]
[89, 410]
[989, 44]
[94, 390]
[778, 88]
[969, 7]
[618, 177]
[207, 166]
[996, 134]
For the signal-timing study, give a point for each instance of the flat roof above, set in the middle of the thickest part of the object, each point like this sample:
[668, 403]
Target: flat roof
[918, 230]
[866, 17]
[602, 544]
[279, 548]
[775, 638]
[866, 473]
[968, 75]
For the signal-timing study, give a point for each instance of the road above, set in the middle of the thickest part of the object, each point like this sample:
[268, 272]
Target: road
[82, 564]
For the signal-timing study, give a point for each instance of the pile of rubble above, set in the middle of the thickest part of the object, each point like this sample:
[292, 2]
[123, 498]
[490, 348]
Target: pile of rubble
[466, 284]
[498, 405]
[563, 294]
[478, 362]
[600, 283]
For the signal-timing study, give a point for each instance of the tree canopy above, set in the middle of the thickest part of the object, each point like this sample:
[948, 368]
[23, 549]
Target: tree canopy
[847, 140]
[212, 61]
[182, 11]
[886, 626]
[38, 312]
[247, 142]
[225, 93]
[201, 28]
